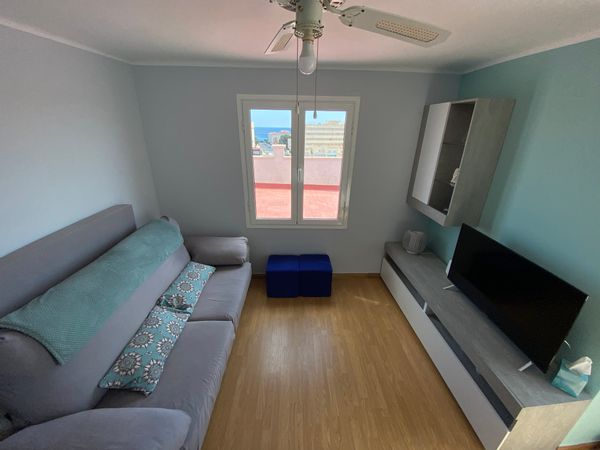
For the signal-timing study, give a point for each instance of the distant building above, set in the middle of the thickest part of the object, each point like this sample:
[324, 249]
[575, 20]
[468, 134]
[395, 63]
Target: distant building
[324, 139]
[279, 137]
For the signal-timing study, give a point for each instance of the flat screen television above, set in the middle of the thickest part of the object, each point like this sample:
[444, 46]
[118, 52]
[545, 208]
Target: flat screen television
[533, 307]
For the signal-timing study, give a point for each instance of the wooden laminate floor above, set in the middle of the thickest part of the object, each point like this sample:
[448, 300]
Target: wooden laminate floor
[341, 373]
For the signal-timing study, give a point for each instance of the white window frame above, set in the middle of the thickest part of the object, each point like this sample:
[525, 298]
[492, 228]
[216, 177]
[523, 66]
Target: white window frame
[305, 103]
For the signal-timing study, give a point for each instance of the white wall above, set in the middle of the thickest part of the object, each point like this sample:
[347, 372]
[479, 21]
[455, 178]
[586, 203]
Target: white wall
[71, 139]
[190, 118]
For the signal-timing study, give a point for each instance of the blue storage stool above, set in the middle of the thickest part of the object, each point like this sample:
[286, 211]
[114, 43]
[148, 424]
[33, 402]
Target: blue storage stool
[282, 276]
[315, 276]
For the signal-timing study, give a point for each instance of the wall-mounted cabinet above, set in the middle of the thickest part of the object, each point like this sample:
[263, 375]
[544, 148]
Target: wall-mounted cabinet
[458, 149]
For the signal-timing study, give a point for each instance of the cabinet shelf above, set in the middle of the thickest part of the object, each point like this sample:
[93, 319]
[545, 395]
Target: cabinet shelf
[437, 180]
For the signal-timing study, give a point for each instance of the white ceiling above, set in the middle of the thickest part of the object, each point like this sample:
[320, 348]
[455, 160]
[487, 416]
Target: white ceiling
[235, 33]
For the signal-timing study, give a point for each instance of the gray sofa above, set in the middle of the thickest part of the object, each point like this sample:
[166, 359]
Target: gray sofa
[55, 406]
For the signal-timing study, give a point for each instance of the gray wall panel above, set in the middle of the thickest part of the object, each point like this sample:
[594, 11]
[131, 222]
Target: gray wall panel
[71, 139]
[190, 118]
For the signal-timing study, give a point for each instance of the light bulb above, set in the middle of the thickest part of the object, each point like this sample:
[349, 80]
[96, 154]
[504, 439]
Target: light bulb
[307, 61]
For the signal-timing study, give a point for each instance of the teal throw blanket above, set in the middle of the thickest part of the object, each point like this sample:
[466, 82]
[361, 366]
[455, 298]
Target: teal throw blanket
[68, 315]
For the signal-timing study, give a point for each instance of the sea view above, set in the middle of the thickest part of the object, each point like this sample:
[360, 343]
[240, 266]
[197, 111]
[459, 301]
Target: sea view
[262, 133]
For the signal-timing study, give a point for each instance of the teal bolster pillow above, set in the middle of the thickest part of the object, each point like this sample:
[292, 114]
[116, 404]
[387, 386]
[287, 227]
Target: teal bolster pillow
[142, 361]
[182, 295]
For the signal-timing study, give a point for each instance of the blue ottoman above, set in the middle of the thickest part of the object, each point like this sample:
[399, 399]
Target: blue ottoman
[282, 276]
[315, 276]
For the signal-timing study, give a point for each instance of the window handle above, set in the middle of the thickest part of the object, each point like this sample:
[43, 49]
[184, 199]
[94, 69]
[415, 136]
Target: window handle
[300, 175]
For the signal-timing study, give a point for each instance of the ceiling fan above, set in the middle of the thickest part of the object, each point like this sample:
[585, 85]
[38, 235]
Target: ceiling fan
[308, 27]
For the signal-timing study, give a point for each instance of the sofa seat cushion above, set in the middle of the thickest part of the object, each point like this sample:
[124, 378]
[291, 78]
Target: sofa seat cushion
[224, 295]
[191, 378]
[104, 429]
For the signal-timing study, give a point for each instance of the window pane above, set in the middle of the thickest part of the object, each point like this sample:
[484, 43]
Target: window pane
[271, 155]
[323, 154]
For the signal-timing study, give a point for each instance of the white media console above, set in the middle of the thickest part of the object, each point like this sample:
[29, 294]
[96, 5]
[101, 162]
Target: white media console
[507, 408]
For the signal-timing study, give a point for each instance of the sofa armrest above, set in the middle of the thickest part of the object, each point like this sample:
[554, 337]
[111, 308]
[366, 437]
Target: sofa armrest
[127, 428]
[218, 251]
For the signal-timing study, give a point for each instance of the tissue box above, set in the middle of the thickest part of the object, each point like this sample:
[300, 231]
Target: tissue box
[570, 382]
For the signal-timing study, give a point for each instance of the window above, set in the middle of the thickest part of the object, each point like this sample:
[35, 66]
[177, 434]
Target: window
[297, 167]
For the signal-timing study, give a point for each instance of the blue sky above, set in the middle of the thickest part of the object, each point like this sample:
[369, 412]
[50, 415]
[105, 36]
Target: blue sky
[271, 118]
[283, 118]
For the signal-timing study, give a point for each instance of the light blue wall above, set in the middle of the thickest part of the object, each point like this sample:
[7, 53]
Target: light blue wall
[545, 198]
[71, 138]
[190, 118]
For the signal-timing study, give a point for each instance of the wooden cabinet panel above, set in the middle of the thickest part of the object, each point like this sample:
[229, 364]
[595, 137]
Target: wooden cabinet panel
[459, 146]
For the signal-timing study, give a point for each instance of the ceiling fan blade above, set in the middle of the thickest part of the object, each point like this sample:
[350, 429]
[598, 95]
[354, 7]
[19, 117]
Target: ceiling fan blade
[282, 38]
[393, 26]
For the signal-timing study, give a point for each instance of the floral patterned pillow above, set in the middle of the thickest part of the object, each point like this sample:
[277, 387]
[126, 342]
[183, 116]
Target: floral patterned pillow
[183, 293]
[141, 362]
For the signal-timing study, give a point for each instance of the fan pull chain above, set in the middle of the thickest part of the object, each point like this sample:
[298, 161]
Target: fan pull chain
[297, 76]
[295, 145]
[316, 72]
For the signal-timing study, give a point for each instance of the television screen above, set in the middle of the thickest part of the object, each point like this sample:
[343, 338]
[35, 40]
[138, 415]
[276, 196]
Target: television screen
[533, 307]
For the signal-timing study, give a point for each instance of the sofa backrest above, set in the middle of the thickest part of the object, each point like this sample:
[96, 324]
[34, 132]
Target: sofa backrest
[33, 387]
[33, 269]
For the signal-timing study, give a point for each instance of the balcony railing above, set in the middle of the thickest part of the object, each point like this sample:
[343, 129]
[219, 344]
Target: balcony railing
[274, 201]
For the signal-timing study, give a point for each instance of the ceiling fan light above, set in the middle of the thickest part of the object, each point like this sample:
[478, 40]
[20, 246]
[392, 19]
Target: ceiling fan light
[307, 62]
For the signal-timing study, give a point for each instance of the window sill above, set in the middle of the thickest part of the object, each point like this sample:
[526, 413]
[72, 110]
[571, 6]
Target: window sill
[304, 226]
